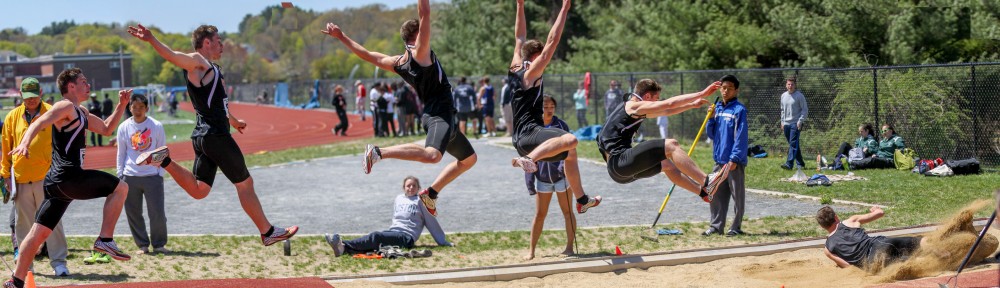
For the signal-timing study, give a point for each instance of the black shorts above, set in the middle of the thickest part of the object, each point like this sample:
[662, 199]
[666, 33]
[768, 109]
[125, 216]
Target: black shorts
[487, 111]
[534, 137]
[75, 185]
[214, 152]
[893, 249]
[464, 116]
[642, 161]
[441, 135]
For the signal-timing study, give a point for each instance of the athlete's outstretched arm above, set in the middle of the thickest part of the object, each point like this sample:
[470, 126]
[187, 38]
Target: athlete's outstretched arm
[672, 105]
[423, 42]
[381, 60]
[186, 61]
[58, 111]
[520, 34]
[108, 126]
[538, 65]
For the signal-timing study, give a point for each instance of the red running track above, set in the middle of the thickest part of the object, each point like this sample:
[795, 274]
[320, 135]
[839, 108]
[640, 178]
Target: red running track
[269, 128]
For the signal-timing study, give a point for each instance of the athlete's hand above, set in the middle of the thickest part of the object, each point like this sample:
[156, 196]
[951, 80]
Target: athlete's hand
[124, 96]
[333, 30]
[711, 89]
[239, 124]
[140, 32]
[20, 150]
[699, 102]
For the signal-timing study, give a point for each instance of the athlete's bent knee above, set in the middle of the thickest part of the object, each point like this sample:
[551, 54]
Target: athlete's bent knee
[432, 156]
[570, 140]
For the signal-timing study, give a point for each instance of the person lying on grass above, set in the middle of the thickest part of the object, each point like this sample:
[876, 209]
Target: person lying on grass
[848, 244]
[408, 221]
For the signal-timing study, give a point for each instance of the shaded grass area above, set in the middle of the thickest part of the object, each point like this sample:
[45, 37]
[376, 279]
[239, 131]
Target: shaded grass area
[913, 200]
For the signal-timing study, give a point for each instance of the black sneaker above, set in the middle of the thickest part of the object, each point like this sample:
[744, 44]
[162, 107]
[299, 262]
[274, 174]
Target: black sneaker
[732, 233]
[786, 166]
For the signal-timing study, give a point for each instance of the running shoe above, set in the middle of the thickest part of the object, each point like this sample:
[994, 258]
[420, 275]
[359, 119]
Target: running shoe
[429, 202]
[593, 202]
[279, 234]
[111, 248]
[525, 163]
[372, 155]
[102, 258]
[9, 284]
[154, 157]
[714, 180]
[335, 243]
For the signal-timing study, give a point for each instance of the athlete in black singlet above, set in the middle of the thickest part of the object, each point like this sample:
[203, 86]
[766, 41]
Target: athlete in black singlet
[67, 180]
[532, 141]
[214, 147]
[421, 69]
[627, 163]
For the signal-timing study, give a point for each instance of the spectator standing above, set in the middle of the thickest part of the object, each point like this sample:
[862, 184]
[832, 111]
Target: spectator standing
[793, 115]
[613, 97]
[136, 135]
[95, 108]
[340, 104]
[580, 100]
[729, 133]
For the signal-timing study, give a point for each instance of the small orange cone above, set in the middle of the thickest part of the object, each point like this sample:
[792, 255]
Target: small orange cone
[29, 281]
[618, 251]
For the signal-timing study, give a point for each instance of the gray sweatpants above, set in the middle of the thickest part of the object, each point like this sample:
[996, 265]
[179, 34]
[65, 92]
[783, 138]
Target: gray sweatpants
[737, 190]
[152, 188]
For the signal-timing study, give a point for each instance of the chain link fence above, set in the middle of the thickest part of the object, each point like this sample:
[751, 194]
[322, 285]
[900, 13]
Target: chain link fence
[949, 111]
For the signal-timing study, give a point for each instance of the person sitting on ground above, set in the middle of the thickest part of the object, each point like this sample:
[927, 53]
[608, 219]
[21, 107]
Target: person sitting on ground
[848, 244]
[409, 218]
[883, 156]
[865, 146]
[548, 179]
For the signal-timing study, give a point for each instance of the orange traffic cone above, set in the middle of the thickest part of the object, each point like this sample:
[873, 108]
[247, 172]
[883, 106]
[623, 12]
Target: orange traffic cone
[29, 281]
[618, 251]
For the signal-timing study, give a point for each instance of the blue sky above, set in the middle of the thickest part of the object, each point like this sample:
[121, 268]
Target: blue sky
[177, 16]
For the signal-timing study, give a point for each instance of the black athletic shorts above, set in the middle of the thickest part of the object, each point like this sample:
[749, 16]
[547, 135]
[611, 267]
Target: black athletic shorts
[642, 161]
[894, 249]
[75, 185]
[534, 137]
[487, 111]
[442, 136]
[214, 152]
[464, 116]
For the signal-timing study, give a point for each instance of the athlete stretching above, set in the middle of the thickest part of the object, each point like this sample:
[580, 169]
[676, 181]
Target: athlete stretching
[214, 147]
[532, 141]
[627, 163]
[66, 180]
[419, 67]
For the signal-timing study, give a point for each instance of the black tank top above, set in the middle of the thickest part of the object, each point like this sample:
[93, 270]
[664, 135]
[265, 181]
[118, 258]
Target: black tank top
[211, 104]
[526, 102]
[851, 244]
[68, 148]
[616, 136]
[430, 83]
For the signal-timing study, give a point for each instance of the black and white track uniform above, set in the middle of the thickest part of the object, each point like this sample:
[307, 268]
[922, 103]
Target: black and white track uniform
[214, 147]
[627, 163]
[529, 130]
[438, 117]
[66, 180]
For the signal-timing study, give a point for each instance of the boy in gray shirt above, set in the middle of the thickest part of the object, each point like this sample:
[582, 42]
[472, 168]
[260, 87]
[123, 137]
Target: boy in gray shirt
[136, 135]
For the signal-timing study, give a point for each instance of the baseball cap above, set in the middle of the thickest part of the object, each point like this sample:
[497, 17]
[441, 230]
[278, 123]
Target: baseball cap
[30, 88]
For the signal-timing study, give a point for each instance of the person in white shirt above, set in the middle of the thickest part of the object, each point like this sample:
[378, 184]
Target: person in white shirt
[136, 135]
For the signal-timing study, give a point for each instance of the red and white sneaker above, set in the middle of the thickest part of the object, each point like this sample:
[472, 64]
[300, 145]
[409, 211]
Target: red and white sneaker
[154, 157]
[371, 156]
[713, 181]
[429, 202]
[9, 284]
[593, 202]
[111, 248]
[279, 234]
[525, 163]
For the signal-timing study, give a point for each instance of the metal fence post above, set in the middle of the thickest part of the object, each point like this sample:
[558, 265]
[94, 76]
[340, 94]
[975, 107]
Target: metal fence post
[975, 114]
[875, 94]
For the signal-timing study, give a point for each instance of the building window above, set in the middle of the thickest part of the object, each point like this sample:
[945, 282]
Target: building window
[68, 66]
[116, 84]
[8, 71]
[115, 64]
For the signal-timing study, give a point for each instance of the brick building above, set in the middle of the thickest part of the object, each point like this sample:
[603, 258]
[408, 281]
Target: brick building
[103, 70]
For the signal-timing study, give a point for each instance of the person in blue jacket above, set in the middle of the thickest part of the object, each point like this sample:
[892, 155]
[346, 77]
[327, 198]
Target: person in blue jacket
[727, 127]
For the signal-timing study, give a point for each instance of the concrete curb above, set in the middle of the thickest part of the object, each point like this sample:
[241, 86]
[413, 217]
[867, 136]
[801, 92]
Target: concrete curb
[610, 263]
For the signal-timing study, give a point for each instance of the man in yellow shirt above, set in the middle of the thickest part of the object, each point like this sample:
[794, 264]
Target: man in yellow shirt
[28, 173]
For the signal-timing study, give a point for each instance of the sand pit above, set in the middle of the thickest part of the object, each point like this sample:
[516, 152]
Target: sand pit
[801, 268]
